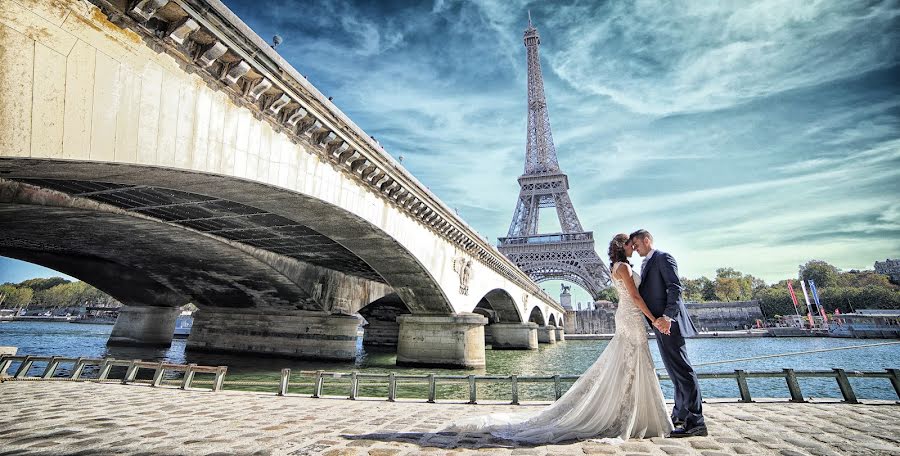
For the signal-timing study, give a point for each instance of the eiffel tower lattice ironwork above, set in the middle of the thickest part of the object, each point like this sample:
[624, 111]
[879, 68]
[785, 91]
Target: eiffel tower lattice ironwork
[568, 255]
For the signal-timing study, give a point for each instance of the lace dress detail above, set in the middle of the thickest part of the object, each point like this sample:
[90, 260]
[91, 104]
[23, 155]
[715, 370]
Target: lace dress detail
[618, 397]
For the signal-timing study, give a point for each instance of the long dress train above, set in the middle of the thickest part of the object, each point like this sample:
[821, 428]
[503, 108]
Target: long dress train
[617, 397]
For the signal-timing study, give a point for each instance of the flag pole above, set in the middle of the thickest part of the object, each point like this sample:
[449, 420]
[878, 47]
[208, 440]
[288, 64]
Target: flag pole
[808, 305]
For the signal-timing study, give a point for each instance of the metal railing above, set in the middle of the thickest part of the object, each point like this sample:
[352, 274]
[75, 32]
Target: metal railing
[392, 380]
[105, 365]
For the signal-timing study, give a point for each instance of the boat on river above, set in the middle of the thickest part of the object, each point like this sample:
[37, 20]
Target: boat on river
[866, 324]
[183, 325]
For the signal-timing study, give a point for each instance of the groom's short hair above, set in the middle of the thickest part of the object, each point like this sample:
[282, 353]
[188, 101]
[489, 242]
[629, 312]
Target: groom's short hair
[640, 234]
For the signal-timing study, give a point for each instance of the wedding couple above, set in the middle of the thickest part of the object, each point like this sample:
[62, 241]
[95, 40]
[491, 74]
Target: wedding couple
[619, 396]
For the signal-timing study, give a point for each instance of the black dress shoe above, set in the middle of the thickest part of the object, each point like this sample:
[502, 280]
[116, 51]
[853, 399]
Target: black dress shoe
[696, 431]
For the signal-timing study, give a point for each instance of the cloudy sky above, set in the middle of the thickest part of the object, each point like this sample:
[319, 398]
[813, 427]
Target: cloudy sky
[756, 135]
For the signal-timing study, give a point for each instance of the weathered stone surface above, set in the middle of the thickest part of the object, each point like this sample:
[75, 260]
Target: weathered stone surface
[169, 421]
[547, 334]
[293, 334]
[437, 340]
[138, 325]
[514, 336]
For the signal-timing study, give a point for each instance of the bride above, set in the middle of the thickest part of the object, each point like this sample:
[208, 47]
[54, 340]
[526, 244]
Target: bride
[618, 397]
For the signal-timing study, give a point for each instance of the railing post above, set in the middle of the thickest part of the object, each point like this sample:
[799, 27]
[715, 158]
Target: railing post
[23, 368]
[317, 388]
[51, 367]
[220, 378]
[354, 384]
[514, 384]
[844, 385]
[895, 380]
[188, 377]
[557, 388]
[392, 387]
[431, 388]
[285, 379]
[76, 371]
[472, 390]
[131, 373]
[741, 378]
[158, 375]
[105, 368]
[793, 385]
[4, 364]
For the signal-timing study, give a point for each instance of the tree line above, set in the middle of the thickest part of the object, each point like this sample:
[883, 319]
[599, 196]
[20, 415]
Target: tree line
[52, 293]
[837, 289]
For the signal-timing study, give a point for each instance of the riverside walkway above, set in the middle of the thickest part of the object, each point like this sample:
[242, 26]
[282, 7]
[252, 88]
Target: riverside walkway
[50, 418]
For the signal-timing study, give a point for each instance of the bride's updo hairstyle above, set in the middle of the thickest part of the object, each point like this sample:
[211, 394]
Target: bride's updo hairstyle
[616, 250]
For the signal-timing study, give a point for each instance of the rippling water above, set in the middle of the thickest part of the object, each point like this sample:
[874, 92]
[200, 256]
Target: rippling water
[567, 358]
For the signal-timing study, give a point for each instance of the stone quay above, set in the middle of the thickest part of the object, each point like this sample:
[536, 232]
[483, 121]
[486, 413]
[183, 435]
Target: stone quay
[55, 418]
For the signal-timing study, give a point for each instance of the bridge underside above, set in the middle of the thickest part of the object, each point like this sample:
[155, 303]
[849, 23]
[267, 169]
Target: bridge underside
[264, 281]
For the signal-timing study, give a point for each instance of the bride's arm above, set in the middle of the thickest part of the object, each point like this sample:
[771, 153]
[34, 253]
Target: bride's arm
[624, 273]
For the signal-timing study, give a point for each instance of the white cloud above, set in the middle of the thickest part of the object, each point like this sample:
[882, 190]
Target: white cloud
[667, 57]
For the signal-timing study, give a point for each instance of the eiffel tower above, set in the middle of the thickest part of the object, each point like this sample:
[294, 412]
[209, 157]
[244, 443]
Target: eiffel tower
[568, 255]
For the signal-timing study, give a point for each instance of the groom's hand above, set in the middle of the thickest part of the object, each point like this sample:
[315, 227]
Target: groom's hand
[663, 325]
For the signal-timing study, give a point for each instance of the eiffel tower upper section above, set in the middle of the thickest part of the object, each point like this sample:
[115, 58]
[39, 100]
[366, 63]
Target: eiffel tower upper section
[568, 255]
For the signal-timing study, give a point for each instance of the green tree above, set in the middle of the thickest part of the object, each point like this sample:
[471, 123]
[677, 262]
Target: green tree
[13, 297]
[731, 285]
[858, 279]
[822, 273]
[608, 294]
[776, 301]
[39, 283]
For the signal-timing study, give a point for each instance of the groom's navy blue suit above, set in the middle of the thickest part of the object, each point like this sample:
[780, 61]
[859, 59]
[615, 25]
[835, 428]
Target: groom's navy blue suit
[661, 290]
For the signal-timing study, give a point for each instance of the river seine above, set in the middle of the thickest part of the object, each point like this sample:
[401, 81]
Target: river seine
[567, 358]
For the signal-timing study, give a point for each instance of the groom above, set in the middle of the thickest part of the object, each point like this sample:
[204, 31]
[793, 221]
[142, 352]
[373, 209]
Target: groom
[661, 290]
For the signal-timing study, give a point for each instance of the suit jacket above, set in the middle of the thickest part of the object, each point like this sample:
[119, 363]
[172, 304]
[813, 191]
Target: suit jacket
[661, 289]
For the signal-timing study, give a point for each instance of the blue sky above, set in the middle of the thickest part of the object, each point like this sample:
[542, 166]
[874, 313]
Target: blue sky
[755, 135]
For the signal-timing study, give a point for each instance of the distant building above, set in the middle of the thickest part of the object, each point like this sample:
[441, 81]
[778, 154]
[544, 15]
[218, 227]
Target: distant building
[890, 268]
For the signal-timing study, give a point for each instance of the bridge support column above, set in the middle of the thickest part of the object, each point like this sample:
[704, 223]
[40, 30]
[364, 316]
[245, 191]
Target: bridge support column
[144, 325]
[381, 333]
[439, 340]
[560, 334]
[489, 335]
[515, 336]
[547, 334]
[295, 334]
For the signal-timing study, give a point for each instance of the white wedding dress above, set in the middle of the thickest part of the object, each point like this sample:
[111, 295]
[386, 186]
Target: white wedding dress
[618, 397]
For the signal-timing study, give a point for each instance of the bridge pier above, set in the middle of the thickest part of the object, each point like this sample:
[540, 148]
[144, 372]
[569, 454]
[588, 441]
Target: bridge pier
[560, 334]
[441, 340]
[514, 336]
[547, 334]
[144, 325]
[295, 334]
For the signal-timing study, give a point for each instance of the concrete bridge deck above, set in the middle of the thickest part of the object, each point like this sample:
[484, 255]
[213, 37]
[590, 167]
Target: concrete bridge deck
[81, 418]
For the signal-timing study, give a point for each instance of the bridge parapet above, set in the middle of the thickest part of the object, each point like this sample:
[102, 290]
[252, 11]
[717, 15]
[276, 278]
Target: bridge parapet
[210, 40]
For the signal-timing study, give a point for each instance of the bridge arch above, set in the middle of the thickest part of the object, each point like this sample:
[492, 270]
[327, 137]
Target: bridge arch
[536, 316]
[499, 307]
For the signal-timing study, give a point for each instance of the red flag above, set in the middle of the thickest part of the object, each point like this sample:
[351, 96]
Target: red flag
[793, 297]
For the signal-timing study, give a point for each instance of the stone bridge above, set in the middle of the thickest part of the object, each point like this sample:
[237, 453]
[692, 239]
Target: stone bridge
[164, 153]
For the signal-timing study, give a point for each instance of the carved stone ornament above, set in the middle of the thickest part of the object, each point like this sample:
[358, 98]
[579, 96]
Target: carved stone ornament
[463, 267]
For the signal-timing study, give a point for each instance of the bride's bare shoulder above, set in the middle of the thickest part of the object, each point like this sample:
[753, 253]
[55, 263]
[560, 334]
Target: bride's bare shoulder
[621, 268]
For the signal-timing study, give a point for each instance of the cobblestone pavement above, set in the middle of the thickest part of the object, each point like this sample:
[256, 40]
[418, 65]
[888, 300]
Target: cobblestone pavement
[86, 418]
